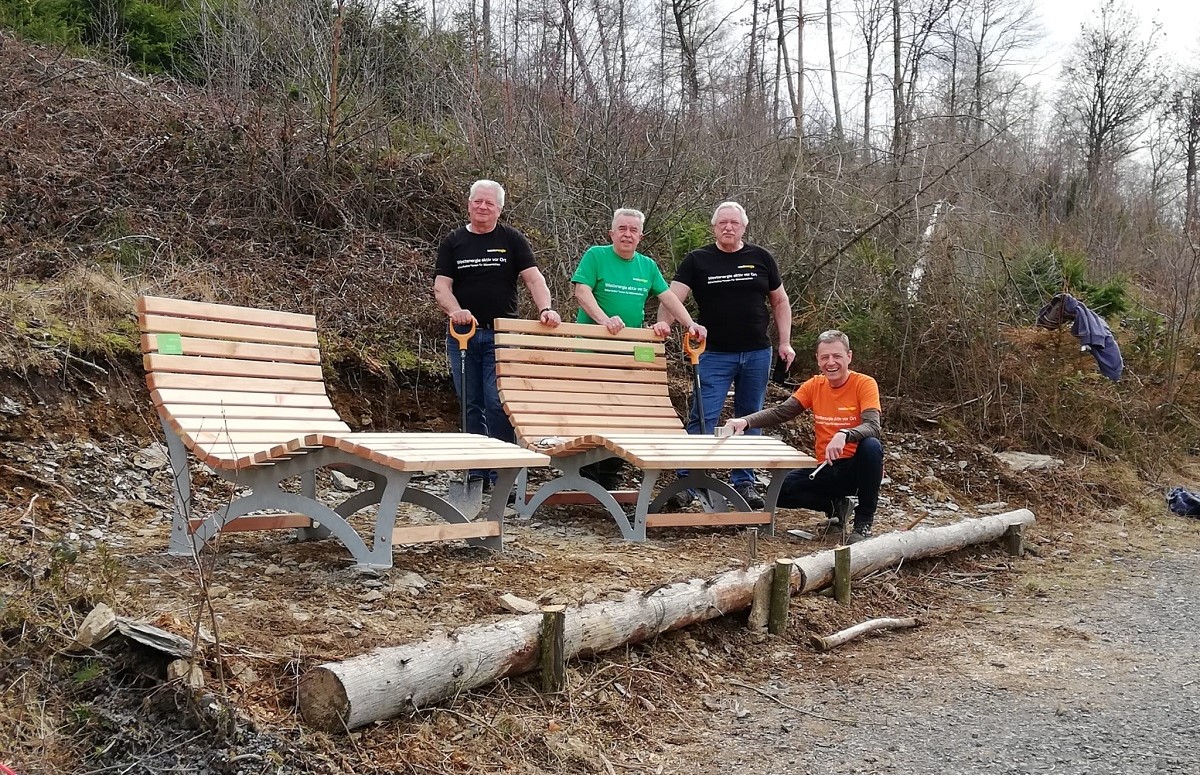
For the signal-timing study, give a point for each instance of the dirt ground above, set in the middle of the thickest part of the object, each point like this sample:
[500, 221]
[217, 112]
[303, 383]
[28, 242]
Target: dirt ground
[712, 698]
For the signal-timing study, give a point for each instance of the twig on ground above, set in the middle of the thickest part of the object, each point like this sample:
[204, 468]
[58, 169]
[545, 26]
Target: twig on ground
[35, 479]
[783, 704]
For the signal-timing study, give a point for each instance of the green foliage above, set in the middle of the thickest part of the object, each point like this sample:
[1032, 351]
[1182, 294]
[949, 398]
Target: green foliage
[1044, 271]
[690, 231]
[148, 33]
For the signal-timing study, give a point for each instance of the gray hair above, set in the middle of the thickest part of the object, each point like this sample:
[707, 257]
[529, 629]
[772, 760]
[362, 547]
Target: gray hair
[734, 206]
[631, 213]
[833, 335]
[493, 185]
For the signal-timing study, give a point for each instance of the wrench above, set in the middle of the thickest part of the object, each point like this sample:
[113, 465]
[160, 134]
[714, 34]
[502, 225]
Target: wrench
[817, 470]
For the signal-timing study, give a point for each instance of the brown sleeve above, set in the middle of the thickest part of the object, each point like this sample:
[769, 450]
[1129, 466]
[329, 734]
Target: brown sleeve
[869, 428]
[776, 415]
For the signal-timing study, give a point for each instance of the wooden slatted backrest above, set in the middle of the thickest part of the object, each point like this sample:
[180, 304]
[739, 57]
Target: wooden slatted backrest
[579, 379]
[237, 378]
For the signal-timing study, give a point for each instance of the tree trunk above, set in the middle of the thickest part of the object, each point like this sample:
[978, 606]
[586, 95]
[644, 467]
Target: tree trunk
[897, 93]
[392, 681]
[838, 134]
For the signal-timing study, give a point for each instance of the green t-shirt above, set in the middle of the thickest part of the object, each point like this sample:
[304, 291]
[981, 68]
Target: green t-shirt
[621, 287]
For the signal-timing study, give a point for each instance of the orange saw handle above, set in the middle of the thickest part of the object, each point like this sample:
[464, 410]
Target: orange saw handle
[693, 352]
[464, 337]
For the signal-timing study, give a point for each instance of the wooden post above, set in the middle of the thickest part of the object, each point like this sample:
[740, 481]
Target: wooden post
[781, 581]
[752, 544]
[841, 574]
[552, 650]
[1014, 539]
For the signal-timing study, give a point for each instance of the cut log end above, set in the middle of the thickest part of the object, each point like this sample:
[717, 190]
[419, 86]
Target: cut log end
[324, 703]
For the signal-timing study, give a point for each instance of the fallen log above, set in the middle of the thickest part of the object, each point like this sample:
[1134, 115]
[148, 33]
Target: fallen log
[857, 631]
[392, 681]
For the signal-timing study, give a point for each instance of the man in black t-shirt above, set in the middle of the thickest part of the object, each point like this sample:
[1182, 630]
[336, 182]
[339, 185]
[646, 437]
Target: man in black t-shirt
[475, 279]
[738, 293]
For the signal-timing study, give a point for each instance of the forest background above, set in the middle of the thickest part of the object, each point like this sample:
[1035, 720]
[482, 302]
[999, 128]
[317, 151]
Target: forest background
[310, 156]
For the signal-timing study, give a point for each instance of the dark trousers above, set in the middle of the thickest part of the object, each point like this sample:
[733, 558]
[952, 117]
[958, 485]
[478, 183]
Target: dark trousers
[858, 475]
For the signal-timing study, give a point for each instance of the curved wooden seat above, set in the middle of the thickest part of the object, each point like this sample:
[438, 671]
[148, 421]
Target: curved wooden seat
[242, 389]
[580, 395]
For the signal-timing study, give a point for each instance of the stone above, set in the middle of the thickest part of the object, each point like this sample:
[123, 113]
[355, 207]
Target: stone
[97, 625]
[217, 591]
[410, 581]
[186, 672]
[343, 483]
[1027, 461]
[372, 596]
[10, 407]
[151, 458]
[518, 605]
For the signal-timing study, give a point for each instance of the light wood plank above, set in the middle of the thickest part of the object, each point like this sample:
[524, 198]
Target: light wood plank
[573, 373]
[559, 398]
[228, 367]
[575, 329]
[448, 532]
[159, 305]
[238, 425]
[557, 344]
[238, 332]
[611, 421]
[709, 519]
[219, 398]
[611, 410]
[572, 358]
[240, 384]
[219, 348]
[600, 387]
[252, 412]
[259, 522]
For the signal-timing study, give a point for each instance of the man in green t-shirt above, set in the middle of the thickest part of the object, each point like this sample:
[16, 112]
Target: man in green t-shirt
[612, 284]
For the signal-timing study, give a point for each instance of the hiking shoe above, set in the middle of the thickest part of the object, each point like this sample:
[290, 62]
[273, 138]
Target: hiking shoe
[860, 533]
[753, 499]
[680, 500]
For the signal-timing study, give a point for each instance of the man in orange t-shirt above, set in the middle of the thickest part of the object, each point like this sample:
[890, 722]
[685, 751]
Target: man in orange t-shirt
[846, 413]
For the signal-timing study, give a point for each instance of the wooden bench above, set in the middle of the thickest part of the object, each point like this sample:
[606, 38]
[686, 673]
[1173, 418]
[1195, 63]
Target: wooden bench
[242, 390]
[581, 395]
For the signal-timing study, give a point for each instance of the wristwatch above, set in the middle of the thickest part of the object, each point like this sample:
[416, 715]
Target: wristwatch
[545, 310]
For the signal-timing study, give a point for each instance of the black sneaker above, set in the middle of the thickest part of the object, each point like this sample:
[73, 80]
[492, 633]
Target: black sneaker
[860, 533]
[753, 499]
[680, 500]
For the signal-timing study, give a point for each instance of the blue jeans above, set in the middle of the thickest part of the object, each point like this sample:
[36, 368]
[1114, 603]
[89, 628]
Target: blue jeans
[860, 474]
[748, 373]
[485, 415]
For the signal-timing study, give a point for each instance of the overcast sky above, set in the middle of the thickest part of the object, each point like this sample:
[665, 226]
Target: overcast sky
[1061, 19]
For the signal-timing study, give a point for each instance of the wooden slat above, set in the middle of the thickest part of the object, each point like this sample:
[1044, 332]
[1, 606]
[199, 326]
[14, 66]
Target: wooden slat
[252, 412]
[560, 398]
[571, 373]
[218, 398]
[240, 384]
[573, 386]
[228, 367]
[261, 522]
[600, 344]
[614, 422]
[709, 519]
[237, 424]
[610, 410]
[219, 348]
[575, 329]
[247, 438]
[572, 358]
[238, 332]
[536, 433]
[447, 532]
[224, 312]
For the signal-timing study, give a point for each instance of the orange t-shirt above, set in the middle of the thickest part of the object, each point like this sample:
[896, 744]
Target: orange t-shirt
[835, 409]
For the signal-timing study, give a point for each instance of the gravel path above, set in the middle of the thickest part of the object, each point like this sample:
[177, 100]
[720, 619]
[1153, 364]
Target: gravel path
[1088, 680]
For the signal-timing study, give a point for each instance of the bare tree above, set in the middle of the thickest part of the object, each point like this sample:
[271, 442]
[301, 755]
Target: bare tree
[871, 14]
[1111, 82]
[838, 133]
[1184, 112]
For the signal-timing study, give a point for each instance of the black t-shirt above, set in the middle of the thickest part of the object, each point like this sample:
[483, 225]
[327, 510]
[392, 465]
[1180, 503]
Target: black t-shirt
[484, 269]
[731, 294]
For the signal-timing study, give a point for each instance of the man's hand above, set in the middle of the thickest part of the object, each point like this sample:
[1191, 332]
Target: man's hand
[614, 324]
[661, 329]
[550, 318]
[462, 317]
[737, 425]
[697, 331]
[833, 450]
[787, 353]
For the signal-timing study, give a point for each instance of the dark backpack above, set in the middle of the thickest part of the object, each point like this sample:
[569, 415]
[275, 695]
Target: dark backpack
[1184, 502]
